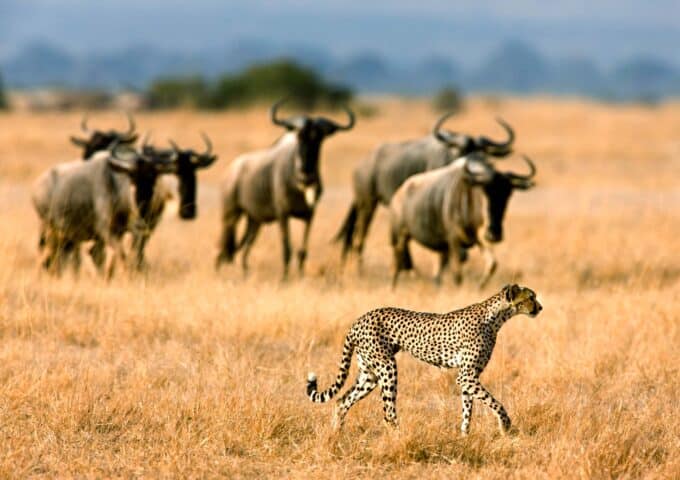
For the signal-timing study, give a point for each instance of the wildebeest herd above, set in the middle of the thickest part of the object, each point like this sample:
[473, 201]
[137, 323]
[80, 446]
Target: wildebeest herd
[443, 190]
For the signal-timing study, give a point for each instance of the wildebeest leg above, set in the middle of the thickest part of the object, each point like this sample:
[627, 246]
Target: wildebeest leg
[61, 249]
[52, 257]
[227, 244]
[252, 229]
[285, 242]
[364, 218]
[98, 254]
[346, 233]
[116, 252]
[75, 258]
[302, 253]
[46, 248]
[139, 238]
[443, 263]
[46, 258]
[490, 260]
[400, 248]
[407, 261]
[454, 259]
[42, 237]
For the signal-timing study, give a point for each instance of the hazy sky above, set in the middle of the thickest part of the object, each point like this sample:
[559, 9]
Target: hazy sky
[607, 30]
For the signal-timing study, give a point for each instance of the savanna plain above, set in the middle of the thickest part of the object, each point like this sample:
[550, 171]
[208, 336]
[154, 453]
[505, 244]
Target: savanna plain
[185, 372]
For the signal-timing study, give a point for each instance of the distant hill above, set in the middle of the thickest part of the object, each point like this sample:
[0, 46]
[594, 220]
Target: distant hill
[645, 77]
[513, 67]
[367, 71]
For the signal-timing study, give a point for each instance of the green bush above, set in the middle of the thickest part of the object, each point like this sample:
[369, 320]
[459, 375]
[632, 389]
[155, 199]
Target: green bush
[260, 83]
[448, 99]
[175, 92]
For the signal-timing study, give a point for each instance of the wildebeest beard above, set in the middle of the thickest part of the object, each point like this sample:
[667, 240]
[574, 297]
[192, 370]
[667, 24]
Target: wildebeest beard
[310, 139]
[497, 193]
[144, 188]
[187, 161]
[187, 187]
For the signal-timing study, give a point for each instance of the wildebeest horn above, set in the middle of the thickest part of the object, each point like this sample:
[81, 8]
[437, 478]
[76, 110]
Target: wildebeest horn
[174, 146]
[78, 141]
[498, 148]
[83, 124]
[350, 115]
[202, 160]
[145, 140]
[208, 144]
[514, 177]
[448, 138]
[176, 149]
[440, 122]
[278, 121]
[131, 126]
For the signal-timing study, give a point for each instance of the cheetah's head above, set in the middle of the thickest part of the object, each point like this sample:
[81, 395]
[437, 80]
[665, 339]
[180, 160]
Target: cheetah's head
[523, 299]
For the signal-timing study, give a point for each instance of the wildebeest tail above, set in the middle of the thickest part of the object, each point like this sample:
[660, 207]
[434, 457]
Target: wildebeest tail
[227, 245]
[321, 397]
[346, 232]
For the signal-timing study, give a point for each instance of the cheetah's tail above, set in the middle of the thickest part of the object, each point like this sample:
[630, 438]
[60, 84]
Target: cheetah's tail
[321, 397]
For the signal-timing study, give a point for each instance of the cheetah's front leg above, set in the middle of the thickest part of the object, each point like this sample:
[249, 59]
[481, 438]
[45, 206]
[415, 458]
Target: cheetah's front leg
[472, 389]
[387, 379]
[466, 401]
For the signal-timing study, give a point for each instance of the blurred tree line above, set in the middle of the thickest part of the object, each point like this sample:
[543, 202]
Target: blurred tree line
[268, 82]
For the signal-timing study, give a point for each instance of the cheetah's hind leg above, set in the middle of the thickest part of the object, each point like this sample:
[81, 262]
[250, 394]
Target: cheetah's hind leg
[364, 384]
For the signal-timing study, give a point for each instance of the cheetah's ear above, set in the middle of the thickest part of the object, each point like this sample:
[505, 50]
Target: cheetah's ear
[512, 291]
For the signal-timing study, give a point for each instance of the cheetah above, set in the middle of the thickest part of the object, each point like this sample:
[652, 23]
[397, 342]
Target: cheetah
[463, 339]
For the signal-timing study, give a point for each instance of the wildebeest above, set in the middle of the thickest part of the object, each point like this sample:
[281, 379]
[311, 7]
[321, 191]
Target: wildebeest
[375, 180]
[187, 162]
[275, 184]
[452, 209]
[102, 140]
[95, 200]
[95, 141]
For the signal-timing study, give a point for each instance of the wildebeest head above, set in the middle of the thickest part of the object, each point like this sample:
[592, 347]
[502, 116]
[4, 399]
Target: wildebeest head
[466, 144]
[102, 140]
[497, 186]
[310, 132]
[188, 161]
[143, 168]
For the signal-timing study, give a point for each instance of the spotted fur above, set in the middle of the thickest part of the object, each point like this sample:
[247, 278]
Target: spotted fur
[463, 339]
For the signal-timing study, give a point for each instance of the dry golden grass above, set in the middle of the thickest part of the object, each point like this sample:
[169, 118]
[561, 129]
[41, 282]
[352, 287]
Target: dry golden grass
[183, 372]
